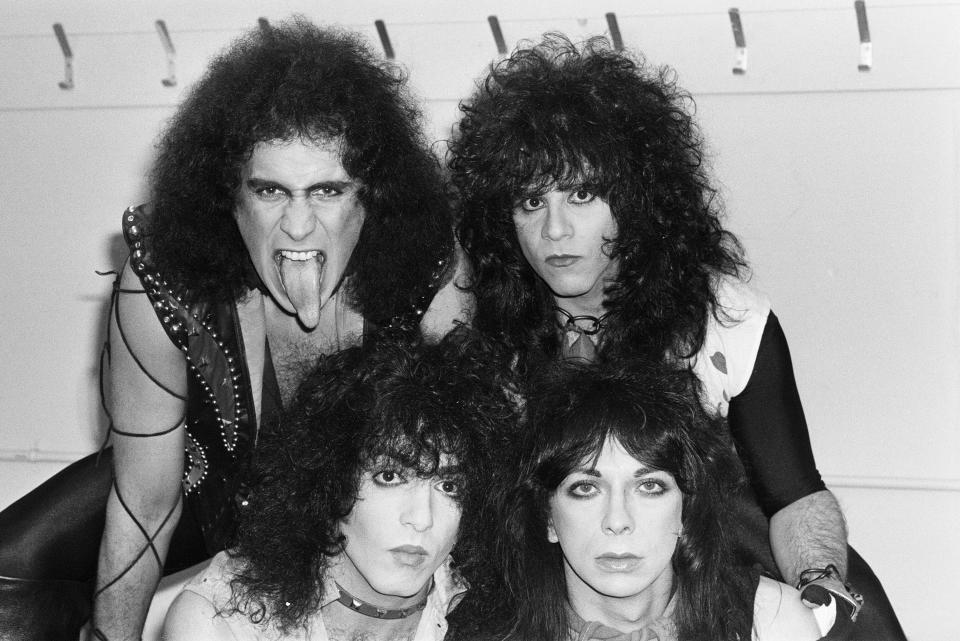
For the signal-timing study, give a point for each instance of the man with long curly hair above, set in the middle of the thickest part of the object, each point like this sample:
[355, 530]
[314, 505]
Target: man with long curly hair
[295, 207]
[594, 233]
[364, 516]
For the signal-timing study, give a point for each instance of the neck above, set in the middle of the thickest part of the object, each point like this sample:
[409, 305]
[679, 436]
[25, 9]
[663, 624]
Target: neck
[580, 307]
[346, 575]
[621, 613]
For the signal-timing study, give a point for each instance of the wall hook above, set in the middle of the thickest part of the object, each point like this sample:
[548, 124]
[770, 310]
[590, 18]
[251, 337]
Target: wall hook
[614, 31]
[67, 82]
[497, 35]
[171, 79]
[866, 47]
[740, 64]
[384, 39]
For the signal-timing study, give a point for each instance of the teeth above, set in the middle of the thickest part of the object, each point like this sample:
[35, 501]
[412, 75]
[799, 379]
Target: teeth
[292, 255]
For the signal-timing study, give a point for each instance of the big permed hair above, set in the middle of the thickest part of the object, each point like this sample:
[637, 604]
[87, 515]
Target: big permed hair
[653, 412]
[298, 81]
[408, 403]
[567, 116]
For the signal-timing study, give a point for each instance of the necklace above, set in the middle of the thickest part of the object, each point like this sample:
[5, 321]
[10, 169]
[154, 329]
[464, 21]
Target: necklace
[371, 610]
[577, 343]
[596, 322]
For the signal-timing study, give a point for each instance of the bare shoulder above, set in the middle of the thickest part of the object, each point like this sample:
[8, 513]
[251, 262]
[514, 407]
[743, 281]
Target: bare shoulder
[192, 616]
[780, 615]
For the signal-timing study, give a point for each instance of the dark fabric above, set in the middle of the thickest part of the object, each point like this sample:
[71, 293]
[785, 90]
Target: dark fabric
[43, 610]
[53, 533]
[50, 541]
[271, 403]
[769, 428]
[212, 500]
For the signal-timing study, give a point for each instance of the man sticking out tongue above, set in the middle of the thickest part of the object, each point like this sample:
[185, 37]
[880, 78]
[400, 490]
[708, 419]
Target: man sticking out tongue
[300, 274]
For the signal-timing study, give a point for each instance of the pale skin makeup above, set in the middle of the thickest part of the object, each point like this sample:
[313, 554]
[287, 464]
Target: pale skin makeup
[401, 529]
[300, 219]
[563, 235]
[617, 522]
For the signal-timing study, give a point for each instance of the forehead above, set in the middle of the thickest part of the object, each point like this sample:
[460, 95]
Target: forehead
[612, 459]
[446, 462]
[295, 161]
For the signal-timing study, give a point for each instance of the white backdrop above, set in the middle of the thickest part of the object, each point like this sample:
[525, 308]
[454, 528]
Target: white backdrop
[843, 185]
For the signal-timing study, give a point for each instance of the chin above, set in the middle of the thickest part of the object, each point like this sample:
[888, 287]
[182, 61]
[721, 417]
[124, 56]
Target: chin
[400, 589]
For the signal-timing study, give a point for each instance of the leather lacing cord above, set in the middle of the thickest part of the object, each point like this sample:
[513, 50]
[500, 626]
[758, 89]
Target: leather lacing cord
[112, 429]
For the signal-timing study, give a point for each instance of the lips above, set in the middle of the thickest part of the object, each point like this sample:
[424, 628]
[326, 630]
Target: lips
[618, 562]
[411, 555]
[300, 273]
[561, 260]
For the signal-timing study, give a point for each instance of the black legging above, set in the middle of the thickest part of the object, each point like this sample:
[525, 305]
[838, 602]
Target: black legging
[49, 545]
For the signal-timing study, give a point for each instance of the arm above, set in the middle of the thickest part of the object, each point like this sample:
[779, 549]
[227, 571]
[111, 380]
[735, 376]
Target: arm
[191, 617]
[807, 529]
[147, 468]
[451, 303]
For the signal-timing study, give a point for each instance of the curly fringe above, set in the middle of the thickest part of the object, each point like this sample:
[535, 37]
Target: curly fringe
[411, 403]
[300, 81]
[566, 115]
[654, 412]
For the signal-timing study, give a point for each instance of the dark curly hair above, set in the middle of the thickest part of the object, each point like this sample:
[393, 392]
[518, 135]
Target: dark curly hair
[559, 114]
[297, 80]
[654, 412]
[408, 403]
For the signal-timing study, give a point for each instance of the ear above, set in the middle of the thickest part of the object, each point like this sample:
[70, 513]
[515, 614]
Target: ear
[552, 532]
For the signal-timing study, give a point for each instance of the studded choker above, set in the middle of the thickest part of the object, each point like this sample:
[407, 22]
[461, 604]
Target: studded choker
[376, 612]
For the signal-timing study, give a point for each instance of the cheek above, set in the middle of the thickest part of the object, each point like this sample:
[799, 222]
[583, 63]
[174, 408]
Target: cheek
[574, 526]
[525, 235]
[449, 520]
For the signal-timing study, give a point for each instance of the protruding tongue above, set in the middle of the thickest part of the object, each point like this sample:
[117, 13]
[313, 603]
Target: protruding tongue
[301, 280]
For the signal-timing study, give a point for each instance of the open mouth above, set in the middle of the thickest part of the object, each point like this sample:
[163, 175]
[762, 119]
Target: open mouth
[300, 273]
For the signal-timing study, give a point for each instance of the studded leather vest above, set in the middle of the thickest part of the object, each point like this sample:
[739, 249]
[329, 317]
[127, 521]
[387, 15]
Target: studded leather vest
[221, 424]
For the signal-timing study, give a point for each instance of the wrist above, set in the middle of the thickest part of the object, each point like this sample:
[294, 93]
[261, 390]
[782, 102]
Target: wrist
[818, 585]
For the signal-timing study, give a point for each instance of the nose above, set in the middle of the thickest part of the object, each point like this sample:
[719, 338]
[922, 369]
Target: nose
[418, 507]
[298, 220]
[617, 518]
[556, 222]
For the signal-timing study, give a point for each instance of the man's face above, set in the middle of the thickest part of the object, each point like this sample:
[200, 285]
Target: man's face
[617, 523]
[298, 214]
[401, 529]
[563, 235]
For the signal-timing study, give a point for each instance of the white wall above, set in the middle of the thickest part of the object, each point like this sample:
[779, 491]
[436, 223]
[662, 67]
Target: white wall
[843, 185]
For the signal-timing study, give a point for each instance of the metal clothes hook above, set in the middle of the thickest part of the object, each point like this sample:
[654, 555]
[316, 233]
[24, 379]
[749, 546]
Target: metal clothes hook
[171, 79]
[614, 31]
[384, 39]
[67, 82]
[497, 35]
[740, 64]
[866, 47]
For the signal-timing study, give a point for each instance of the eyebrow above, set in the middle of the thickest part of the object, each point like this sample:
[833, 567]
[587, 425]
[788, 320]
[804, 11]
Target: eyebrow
[592, 471]
[340, 185]
[449, 470]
